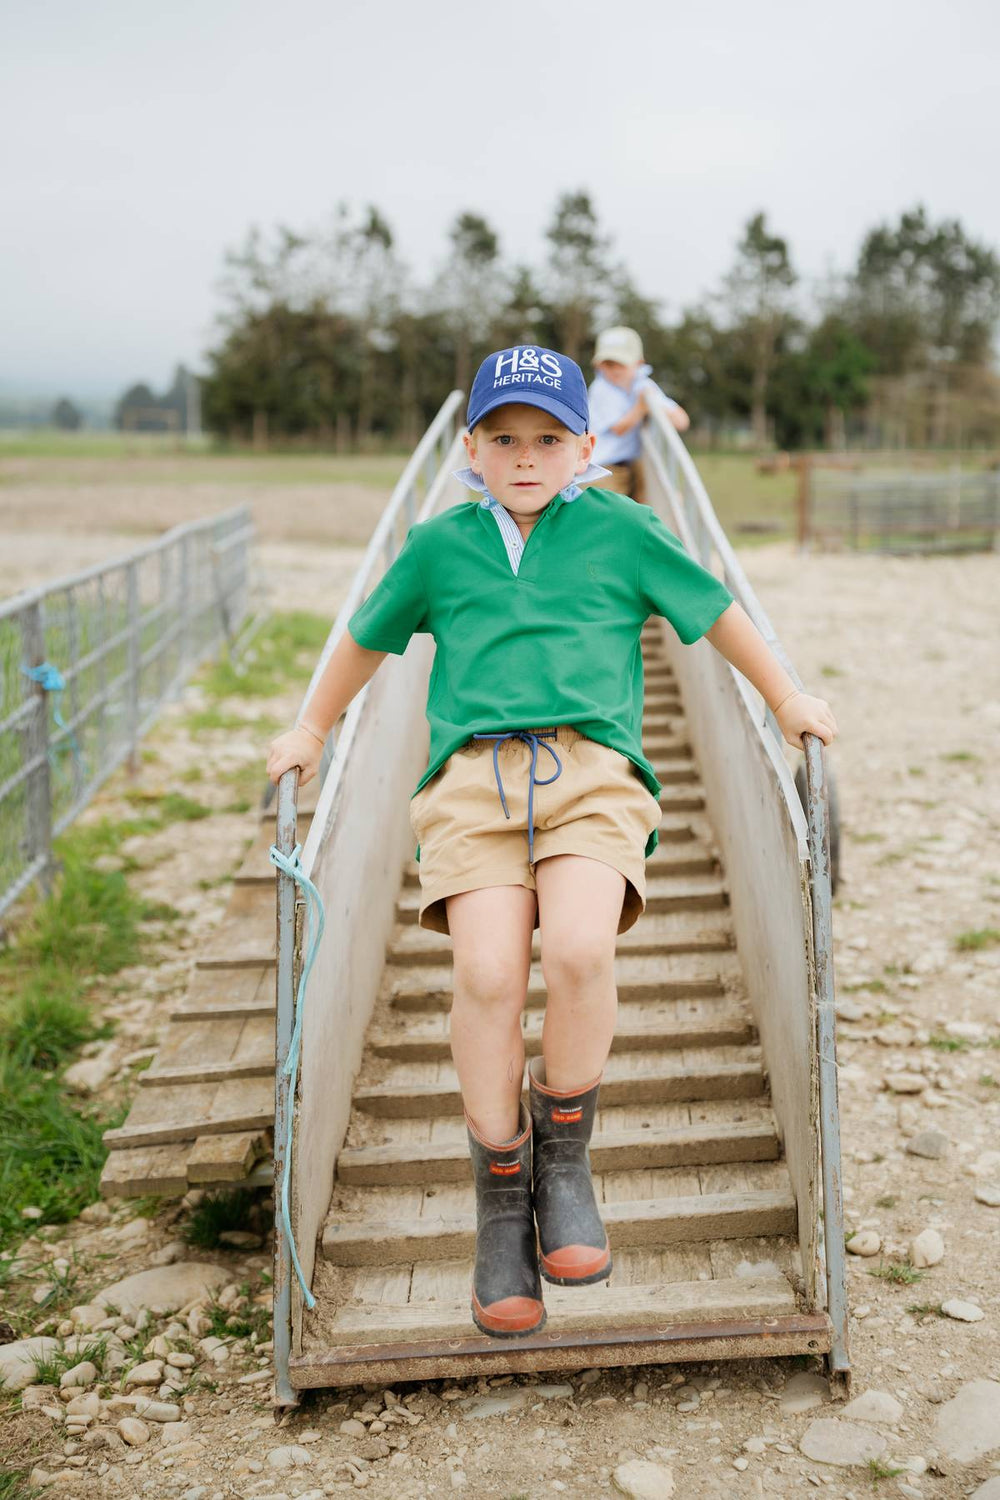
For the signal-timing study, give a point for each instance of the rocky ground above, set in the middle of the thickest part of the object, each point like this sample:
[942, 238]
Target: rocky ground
[174, 1399]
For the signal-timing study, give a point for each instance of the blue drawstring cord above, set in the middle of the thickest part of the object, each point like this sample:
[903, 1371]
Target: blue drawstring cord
[51, 680]
[291, 865]
[536, 742]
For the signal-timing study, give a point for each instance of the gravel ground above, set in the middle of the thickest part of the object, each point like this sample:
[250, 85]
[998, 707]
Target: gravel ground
[906, 652]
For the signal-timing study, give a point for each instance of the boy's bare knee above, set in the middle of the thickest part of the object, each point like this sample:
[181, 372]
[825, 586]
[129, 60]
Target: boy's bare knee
[576, 964]
[489, 983]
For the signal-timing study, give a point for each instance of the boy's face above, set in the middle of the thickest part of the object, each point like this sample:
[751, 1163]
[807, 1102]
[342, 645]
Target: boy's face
[525, 456]
[618, 374]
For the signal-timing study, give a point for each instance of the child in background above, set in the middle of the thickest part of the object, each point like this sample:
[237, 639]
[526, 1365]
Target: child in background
[620, 399]
[538, 806]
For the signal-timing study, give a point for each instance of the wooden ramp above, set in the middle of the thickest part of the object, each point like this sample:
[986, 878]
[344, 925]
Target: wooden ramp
[204, 1111]
[686, 1154]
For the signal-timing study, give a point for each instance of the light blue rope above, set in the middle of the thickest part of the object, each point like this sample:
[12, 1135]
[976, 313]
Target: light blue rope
[291, 865]
[51, 680]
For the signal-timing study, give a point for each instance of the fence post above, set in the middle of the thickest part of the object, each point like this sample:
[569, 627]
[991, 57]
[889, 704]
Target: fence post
[39, 799]
[184, 602]
[134, 667]
[802, 500]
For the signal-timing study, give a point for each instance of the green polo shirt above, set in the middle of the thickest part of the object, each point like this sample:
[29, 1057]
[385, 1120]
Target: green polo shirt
[556, 643]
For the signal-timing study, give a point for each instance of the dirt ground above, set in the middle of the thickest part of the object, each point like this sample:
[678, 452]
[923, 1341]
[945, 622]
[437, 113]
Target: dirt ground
[906, 652]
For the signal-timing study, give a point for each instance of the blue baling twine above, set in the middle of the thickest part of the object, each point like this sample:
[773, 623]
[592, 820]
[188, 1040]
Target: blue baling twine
[291, 865]
[51, 680]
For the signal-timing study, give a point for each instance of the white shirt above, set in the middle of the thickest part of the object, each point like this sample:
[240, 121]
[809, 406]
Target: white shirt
[609, 403]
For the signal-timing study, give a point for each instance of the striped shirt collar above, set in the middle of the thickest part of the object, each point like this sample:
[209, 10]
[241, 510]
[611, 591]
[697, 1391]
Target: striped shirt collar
[509, 530]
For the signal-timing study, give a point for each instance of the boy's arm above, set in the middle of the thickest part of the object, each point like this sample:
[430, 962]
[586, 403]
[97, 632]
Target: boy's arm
[345, 674]
[636, 413]
[735, 637]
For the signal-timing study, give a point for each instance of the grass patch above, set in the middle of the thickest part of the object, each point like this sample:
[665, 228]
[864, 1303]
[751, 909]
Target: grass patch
[240, 1325]
[898, 1275]
[51, 1153]
[947, 1043]
[830, 672]
[285, 651]
[50, 1368]
[866, 838]
[217, 1213]
[956, 756]
[925, 1310]
[877, 1471]
[888, 1201]
[977, 938]
[875, 986]
[987, 1081]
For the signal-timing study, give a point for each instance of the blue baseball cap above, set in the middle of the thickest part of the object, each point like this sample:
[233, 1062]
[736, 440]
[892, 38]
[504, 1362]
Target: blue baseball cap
[529, 376]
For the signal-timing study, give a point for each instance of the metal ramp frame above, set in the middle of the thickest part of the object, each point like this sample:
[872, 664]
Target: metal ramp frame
[718, 1136]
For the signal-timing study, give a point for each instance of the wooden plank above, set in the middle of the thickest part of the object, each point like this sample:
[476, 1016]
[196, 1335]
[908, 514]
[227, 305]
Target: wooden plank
[146, 1169]
[635, 1031]
[226, 1158]
[645, 1222]
[640, 978]
[245, 937]
[619, 1151]
[681, 799]
[668, 1081]
[660, 934]
[214, 993]
[185, 1111]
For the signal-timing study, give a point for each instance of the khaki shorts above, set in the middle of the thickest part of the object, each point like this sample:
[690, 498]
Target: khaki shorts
[627, 479]
[598, 807]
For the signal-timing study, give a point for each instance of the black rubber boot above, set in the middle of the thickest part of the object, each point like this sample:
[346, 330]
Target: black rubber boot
[506, 1290]
[573, 1245]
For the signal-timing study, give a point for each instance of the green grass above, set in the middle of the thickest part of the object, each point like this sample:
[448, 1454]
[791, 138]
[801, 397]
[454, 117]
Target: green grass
[51, 1153]
[925, 1309]
[947, 1043]
[877, 1471]
[988, 1081]
[866, 838]
[217, 1213]
[284, 651]
[742, 497]
[898, 1275]
[888, 1201]
[960, 755]
[874, 986]
[976, 939]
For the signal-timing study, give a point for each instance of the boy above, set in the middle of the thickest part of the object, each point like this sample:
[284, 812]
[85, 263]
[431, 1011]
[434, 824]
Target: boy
[538, 806]
[620, 398]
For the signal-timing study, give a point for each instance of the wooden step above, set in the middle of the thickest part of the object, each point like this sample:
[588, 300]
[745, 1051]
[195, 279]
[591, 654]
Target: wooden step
[679, 773]
[661, 747]
[213, 1050]
[687, 977]
[663, 894]
[415, 1165]
[640, 1028]
[676, 932]
[629, 1078]
[590, 1311]
[184, 1111]
[655, 1222]
[216, 993]
[245, 938]
[681, 799]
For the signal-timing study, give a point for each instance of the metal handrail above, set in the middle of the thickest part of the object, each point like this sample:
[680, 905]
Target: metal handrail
[426, 470]
[702, 533]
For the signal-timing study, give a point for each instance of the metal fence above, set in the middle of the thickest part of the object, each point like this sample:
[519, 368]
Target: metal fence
[86, 664]
[951, 511]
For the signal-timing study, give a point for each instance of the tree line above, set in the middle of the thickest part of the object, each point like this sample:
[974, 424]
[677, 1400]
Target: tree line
[324, 336]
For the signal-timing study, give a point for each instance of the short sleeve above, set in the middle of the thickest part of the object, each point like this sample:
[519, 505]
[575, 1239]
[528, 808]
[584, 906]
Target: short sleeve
[396, 608]
[658, 397]
[673, 585]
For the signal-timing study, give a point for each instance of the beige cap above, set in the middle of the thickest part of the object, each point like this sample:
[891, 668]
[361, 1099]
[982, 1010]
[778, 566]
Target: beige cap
[623, 345]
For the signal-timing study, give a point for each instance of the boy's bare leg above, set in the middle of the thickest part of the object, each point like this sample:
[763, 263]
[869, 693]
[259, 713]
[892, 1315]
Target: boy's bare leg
[579, 905]
[491, 933]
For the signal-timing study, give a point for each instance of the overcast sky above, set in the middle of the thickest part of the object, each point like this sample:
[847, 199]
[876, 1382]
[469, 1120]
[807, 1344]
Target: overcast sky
[138, 141]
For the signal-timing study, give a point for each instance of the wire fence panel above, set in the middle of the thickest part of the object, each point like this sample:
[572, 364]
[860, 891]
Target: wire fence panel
[946, 512]
[86, 664]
